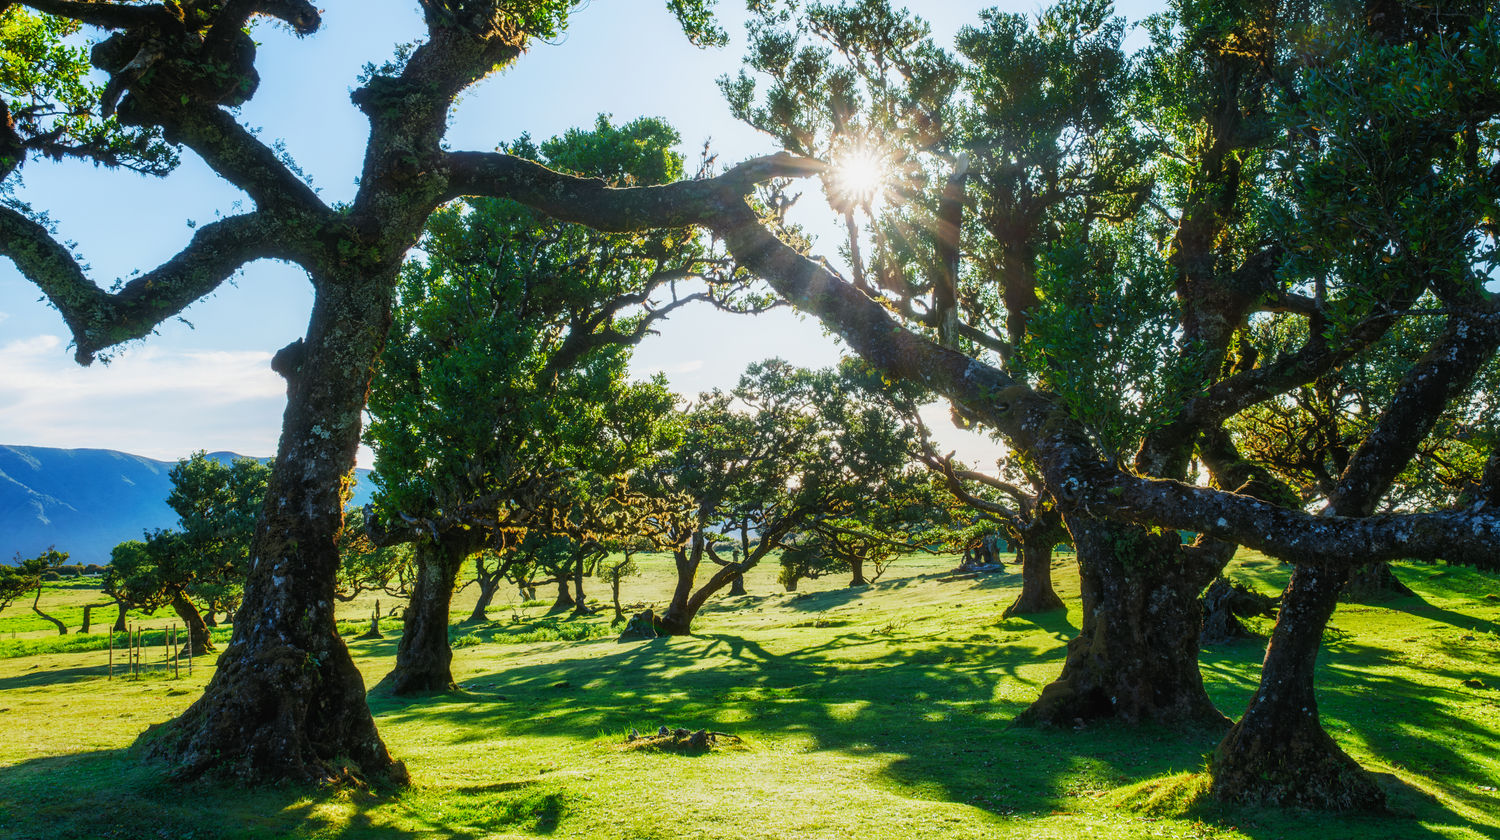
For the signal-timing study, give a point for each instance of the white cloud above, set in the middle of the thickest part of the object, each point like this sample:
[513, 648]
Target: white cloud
[3, 316]
[692, 366]
[161, 403]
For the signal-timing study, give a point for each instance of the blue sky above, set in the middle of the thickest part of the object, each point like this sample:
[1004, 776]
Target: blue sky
[209, 385]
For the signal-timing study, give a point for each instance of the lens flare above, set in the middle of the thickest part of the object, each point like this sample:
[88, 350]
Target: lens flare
[857, 177]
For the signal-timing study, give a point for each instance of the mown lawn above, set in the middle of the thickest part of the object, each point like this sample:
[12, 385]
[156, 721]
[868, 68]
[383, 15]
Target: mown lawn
[873, 713]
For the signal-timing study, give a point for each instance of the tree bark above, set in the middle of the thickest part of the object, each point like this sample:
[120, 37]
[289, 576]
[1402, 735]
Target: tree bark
[564, 601]
[88, 610]
[489, 584]
[677, 619]
[424, 656]
[1136, 656]
[286, 702]
[857, 569]
[1374, 583]
[580, 603]
[120, 625]
[1037, 594]
[62, 629]
[200, 642]
[737, 586]
[1278, 753]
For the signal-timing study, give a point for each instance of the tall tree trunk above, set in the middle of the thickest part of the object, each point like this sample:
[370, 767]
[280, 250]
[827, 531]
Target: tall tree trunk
[199, 640]
[286, 702]
[1136, 656]
[1037, 594]
[120, 625]
[737, 585]
[208, 617]
[62, 629]
[424, 656]
[1278, 753]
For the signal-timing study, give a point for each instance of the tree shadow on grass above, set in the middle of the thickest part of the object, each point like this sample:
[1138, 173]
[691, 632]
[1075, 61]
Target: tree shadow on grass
[57, 676]
[115, 793]
[929, 711]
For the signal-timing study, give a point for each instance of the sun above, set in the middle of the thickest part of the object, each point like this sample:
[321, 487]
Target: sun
[857, 177]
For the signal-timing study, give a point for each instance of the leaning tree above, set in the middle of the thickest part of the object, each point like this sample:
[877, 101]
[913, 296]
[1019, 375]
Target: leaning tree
[1229, 87]
[1094, 234]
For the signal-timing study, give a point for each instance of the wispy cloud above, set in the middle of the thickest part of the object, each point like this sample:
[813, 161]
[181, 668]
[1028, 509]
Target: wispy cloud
[150, 401]
[691, 366]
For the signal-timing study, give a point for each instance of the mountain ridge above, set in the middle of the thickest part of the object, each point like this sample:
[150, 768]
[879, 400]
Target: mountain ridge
[86, 501]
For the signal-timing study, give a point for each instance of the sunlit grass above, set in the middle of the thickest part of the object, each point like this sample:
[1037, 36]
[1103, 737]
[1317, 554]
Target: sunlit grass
[879, 712]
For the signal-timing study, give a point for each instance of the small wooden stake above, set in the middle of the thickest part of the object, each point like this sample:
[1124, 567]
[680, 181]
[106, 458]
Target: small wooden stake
[111, 653]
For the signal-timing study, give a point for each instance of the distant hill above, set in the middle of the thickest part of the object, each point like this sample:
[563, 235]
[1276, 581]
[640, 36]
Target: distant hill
[87, 501]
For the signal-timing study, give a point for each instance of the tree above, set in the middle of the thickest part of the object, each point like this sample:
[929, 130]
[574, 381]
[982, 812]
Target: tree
[1096, 281]
[175, 71]
[207, 558]
[504, 368]
[25, 577]
[807, 449]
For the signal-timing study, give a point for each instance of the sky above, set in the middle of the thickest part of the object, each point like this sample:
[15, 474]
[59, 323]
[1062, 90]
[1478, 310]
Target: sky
[204, 380]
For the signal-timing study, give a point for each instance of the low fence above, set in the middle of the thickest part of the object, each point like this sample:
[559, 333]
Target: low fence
[137, 660]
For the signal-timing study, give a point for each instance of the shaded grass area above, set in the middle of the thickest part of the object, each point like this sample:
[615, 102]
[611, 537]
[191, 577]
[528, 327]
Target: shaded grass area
[876, 712]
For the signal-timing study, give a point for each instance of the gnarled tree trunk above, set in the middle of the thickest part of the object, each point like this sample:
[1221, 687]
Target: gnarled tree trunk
[286, 702]
[199, 640]
[1278, 753]
[1037, 594]
[565, 601]
[424, 656]
[62, 629]
[1136, 656]
[1035, 553]
[489, 584]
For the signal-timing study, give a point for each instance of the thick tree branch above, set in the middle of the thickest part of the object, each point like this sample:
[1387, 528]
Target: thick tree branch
[1072, 469]
[108, 15]
[240, 158]
[591, 201]
[100, 319]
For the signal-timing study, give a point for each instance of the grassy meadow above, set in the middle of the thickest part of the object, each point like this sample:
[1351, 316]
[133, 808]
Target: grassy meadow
[858, 713]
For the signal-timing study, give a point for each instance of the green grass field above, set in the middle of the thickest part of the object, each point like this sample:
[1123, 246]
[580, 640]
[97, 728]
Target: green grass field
[873, 713]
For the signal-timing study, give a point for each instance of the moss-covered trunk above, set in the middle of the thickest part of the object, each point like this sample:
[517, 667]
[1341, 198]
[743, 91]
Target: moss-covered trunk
[286, 702]
[1136, 656]
[1278, 753]
[424, 656]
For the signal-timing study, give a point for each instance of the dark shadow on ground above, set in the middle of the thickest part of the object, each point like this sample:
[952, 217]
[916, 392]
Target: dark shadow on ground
[115, 793]
[58, 676]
